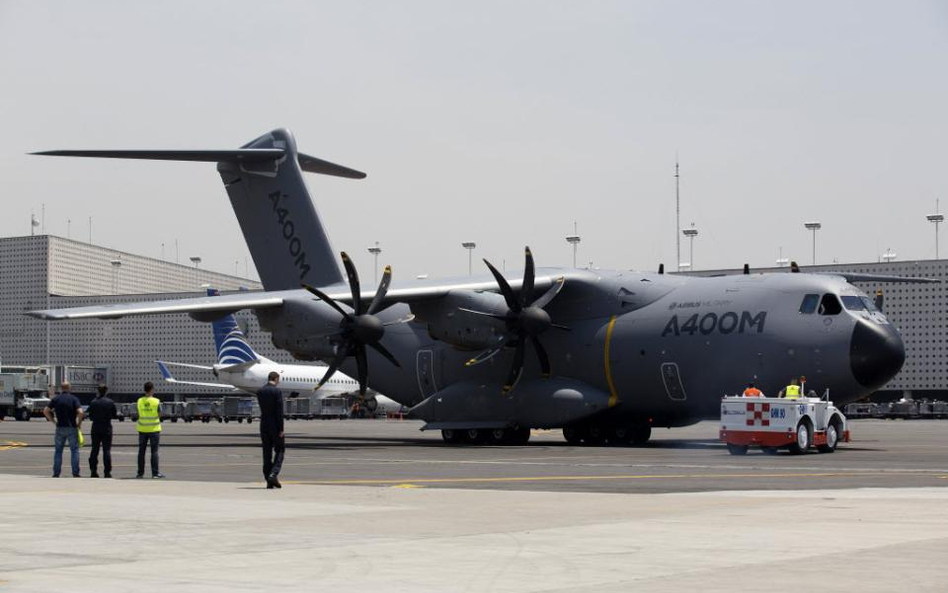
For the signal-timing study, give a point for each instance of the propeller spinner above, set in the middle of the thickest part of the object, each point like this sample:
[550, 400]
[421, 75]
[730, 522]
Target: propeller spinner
[360, 328]
[525, 318]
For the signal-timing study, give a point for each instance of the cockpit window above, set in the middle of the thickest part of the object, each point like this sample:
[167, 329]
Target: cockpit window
[829, 305]
[854, 303]
[870, 306]
[809, 303]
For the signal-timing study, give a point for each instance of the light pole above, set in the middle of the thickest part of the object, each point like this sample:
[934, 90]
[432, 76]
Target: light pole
[574, 240]
[469, 245]
[116, 264]
[691, 233]
[937, 219]
[813, 226]
[781, 260]
[196, 261]
[376, 251]
[677, 216]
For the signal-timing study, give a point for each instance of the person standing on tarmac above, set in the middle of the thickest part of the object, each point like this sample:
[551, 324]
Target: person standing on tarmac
[149, 430]
[271, 430]
[68, 420]
[101, 411]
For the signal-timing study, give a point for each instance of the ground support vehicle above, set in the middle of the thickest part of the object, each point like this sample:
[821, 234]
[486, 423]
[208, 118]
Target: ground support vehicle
[23, 394]
[237, 408]
[173, 411]
[202, 411]
[331, 407]
[774, 423]
[903, 408]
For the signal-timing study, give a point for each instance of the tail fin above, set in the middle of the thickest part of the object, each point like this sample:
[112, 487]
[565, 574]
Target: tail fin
[264, 181]
[232, 346]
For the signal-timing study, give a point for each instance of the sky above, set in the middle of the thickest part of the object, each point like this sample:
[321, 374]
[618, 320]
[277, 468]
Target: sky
[500, 123]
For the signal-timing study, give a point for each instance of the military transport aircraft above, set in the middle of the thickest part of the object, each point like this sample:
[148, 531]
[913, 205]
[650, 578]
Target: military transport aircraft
[604, 355]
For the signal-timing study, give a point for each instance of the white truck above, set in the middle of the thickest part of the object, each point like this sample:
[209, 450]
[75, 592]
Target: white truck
[24, 395]
[774, 423]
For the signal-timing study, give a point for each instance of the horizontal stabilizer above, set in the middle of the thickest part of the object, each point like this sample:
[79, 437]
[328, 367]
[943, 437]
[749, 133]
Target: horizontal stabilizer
[247, 155]
[168, 377]
[163, 366]
[307, 163]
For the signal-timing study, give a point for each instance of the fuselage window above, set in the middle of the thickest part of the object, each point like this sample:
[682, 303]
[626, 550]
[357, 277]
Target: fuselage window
[809, 303]
[853, 303]
[829, 305]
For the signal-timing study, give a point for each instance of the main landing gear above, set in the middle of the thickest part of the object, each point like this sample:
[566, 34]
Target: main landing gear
[595, 434]
[483, 436]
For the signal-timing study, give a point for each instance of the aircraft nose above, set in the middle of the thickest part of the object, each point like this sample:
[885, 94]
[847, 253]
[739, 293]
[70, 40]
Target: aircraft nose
[876, 353]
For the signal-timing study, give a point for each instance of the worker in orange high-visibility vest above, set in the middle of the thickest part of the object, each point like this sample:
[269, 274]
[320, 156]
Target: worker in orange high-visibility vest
[752, 391]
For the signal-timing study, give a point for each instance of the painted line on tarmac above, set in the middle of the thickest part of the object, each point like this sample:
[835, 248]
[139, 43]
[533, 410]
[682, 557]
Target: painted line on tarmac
[10, 445]
[400, 481]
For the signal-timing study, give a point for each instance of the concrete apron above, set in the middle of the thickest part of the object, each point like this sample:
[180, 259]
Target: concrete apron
[116, 535]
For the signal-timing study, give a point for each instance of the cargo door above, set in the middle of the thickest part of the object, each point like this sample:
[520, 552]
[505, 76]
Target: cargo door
[426, 378]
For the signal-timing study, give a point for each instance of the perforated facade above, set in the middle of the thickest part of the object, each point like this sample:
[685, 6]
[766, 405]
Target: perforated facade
[52, 272]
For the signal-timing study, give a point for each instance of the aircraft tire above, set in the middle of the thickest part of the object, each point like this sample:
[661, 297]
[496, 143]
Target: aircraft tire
[641, 433]
[573, 435]
[499, 436]
[595, 435]
[475, 436]
[451, 436]
[518, 436]
[620, 435]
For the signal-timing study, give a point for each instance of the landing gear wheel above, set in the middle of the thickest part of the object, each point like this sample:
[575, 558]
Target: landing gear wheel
[573, 435]
[804, 439]
[499, 436]
[595, 435]
[451, 436]
[832, 439]
[769, 450]
[475, 436]
[736, 449]
[641, 433]
[620, 435]
[518, 436]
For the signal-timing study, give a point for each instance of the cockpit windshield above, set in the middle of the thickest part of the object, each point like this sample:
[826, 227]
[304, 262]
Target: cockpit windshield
[853, 303]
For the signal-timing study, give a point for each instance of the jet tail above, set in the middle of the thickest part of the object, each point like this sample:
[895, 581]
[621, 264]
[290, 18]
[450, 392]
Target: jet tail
[264, 181]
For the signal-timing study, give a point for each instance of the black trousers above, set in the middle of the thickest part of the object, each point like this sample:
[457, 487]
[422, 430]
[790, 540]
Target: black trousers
[145, 439]
[274, 448]
[101, 437]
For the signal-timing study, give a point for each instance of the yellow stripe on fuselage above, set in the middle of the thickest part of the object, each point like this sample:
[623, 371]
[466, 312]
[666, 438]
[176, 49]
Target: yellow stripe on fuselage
[613, 395]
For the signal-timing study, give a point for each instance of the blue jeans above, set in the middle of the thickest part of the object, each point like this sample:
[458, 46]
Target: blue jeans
[63, 434]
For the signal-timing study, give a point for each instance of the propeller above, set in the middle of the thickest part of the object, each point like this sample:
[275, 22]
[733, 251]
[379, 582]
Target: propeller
[360, 328]
[525, 318]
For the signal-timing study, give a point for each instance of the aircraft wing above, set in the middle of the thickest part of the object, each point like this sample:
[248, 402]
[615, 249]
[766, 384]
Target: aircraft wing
[229, 303]
[857, 277]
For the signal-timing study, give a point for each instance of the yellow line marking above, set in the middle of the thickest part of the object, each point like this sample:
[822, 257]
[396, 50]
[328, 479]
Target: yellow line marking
[588, 478]
[407, 486]
[8, 445]
[613, 395]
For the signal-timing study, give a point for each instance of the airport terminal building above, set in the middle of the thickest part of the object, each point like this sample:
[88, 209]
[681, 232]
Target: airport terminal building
[45, 271]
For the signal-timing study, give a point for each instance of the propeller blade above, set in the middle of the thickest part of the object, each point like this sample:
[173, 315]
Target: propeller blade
[353, 276]
[529, 276]
[485, 314]
[362, 366]
[384, 352]
[505, 289]
[404, 319]
[325, 298]
[516, 368]
[381, 292]
[333, 367]
[548, 296]
[542, 356]
[488, 354]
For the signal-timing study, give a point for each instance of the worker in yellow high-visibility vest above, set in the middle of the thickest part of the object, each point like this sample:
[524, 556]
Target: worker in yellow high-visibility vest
[792, 391]
[149, 430]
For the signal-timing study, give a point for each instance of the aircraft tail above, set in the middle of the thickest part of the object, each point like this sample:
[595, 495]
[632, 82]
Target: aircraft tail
[264, 181]
[230, 342]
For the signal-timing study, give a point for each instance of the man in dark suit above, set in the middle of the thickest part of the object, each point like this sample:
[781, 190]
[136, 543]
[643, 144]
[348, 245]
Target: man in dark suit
[270, 399]
[101, 411]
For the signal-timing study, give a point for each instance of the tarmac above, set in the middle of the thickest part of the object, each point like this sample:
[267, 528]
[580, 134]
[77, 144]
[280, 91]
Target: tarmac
[372, 505]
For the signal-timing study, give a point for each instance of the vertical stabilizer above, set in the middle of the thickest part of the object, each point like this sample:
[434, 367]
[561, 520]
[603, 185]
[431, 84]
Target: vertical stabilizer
[280, 224]
[231, 344]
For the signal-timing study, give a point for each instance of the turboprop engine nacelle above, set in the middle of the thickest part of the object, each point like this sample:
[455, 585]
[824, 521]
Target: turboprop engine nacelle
[447, 321]
[304, 327]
